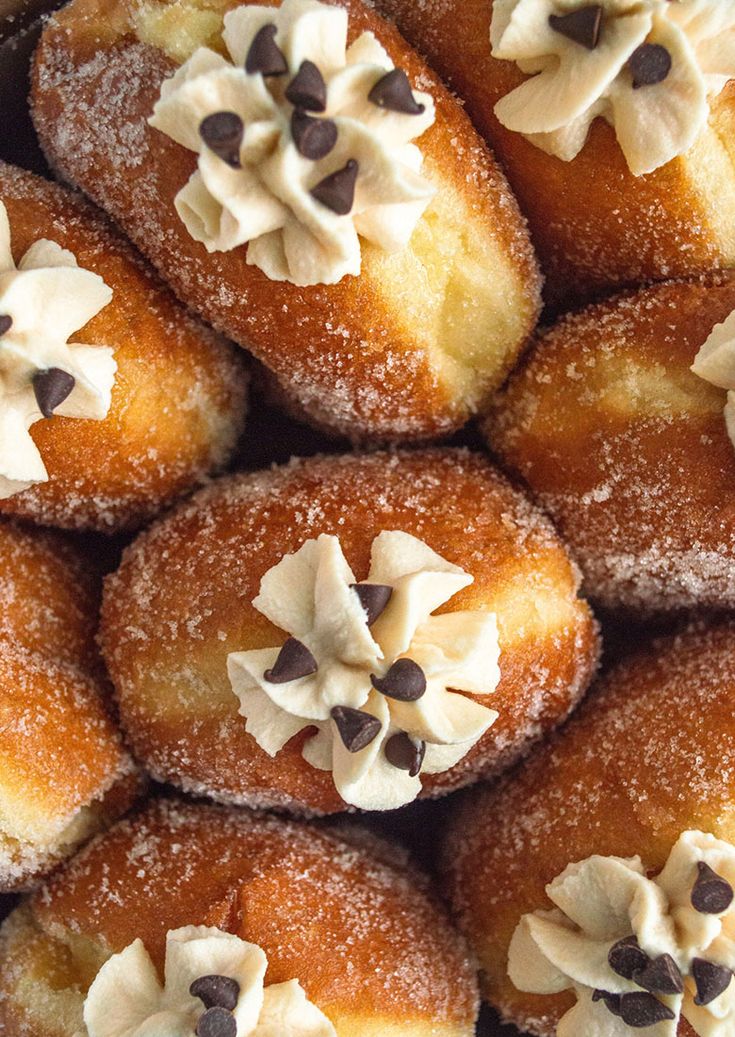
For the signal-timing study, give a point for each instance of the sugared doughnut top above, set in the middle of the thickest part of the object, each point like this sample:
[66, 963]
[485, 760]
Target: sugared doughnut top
[369, 668]
[304, 143]
[43, 301]
[648, 67]
[639, 947]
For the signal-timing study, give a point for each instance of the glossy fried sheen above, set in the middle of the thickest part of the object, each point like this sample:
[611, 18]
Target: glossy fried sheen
[63, 771]
[365, 938]
[407, 350]
[178, 402]
[650, 754]
[595, 225]
[181, 602]
[627, 449]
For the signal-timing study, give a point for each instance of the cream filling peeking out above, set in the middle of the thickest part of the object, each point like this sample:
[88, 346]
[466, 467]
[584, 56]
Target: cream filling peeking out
[715, 363]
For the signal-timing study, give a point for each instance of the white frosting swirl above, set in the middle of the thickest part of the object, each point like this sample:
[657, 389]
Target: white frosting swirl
[46, 299]
[572, 84]
[605, 899]
[715, 363]
[309, 594]
[127, 998]
[267, 200]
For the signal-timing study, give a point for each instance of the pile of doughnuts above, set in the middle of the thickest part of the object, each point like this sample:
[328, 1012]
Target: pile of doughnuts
[367, 521]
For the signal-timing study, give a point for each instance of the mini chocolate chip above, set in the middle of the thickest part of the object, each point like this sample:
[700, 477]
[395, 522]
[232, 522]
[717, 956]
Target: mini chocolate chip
[650, 64]
[314, 138]
[307, 89]
[404, 681]
[660, 976]
[265, 56]
[52, 387]
[711, 894]
[294, 661]
[627, 957]
[581, 26]
[337, 191]
[393, 92]
[356, 728]
[405, 754]
[612, 1001]
[712, 980]
[374, 598]
[216, 991]
[6, 323]
[217, 1022]
[641, 1010]
[222, 132]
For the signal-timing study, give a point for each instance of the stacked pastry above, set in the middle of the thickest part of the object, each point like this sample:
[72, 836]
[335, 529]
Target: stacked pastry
[198, 752]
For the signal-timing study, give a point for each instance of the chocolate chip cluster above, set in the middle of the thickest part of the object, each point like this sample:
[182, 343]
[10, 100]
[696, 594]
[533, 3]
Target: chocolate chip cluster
[219, 995]
[52, 386]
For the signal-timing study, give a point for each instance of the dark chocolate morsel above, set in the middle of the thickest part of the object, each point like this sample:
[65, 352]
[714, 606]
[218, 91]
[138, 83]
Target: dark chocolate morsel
[217, 1022]
[374, 598]
[641, 1010]
[337, 191]
[650, 64]
[314, 138]
[712, 980]
[6, 323]
[612, 1001]
[307, 89]
[222, 132]
[216, 991]
[52, 387]
[581, 26]
[356, 728]
[626, 957]
[404, 753]
[265, 56]
[294, 661]
[404, 681]
[393, 92]
[660, 976]
[711, 894]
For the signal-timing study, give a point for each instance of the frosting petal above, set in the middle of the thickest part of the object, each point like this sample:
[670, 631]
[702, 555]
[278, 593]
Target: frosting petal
[287, 1013]
[125, 994]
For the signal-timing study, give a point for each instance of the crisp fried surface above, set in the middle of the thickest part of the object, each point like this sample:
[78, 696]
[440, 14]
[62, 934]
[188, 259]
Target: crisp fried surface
[650, 754]
[408, 349]
[181, 602]
[179, 396]
[595, 226]
[370, 946]
[628, 449]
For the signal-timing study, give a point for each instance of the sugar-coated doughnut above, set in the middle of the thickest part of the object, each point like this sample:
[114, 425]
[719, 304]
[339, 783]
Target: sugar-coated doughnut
[188, 646]
[628, 449]
[371, 949]
[155, 406]
[63, 771]
[596, 224]
[405, 346]
[644, 769]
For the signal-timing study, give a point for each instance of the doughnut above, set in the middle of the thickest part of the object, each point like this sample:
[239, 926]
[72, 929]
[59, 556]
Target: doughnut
[632, 801]
[617, 202]
[627, 448]
[63, 771]
[139, 413]
[387, 298]
[250, 664]
[359, 945]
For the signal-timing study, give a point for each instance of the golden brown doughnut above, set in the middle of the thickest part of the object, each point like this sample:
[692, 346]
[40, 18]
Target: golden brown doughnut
[627, 449]
[181, 602]
[366, 940]
[594, 224]
[648, 756]
[63, 771]
[179, 395]
[407, 350]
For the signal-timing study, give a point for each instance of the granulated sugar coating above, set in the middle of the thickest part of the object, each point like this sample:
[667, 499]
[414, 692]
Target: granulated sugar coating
[627, 449]
[650, 754]
[369, 946]
[182, 601]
